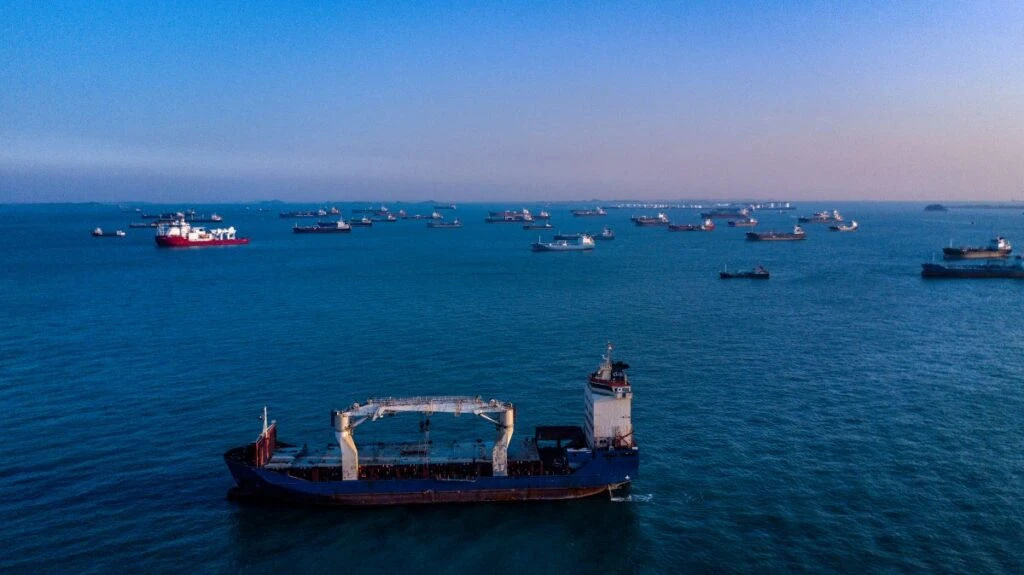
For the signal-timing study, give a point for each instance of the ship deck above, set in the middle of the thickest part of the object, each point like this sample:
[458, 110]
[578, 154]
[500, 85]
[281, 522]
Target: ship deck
[411, 453]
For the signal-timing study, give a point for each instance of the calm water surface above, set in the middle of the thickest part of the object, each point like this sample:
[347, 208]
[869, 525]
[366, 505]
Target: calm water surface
[844, 416]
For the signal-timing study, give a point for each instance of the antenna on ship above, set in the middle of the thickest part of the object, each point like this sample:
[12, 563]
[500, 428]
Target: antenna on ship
[264, 418]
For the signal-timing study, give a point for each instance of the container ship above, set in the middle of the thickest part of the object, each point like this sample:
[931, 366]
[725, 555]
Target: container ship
[557, 462]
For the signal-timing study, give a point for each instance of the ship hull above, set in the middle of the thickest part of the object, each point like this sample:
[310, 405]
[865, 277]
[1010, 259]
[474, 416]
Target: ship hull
[259, 484]
[180, 242]
[321, 230]
[972, 272]
[755, 237]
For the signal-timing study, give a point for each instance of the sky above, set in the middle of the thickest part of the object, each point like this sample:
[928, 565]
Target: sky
[310, 101]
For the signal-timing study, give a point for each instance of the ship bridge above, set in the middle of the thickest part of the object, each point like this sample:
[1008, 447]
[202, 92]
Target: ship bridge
[344, 422]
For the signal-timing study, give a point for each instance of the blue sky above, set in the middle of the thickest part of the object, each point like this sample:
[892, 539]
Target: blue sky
[535, 101]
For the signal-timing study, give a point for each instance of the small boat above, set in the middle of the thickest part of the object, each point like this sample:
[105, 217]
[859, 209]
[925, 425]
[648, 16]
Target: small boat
[997, 248]
[585, 243]
[658, 220]
[338, 227]
[847, 228]
[363, 222]
[1013, 270]
[181, 234]
[758, 273]
[568, 237]
[742, 223]
[707, 226]
[598, 211]
[797, 234]
[99, 233]
[445, 225]
[821, 218]
[544, 226]
[386, 218]
[606, 234]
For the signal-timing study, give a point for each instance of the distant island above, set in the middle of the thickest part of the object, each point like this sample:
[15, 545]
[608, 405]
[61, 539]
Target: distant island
[942, 208]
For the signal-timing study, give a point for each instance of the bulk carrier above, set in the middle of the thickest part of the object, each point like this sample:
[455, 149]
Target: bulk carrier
[557, 462]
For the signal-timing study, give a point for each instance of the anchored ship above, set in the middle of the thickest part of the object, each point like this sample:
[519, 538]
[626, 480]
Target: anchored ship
[557, 462]
[338, 227]
[584, 243]
[997, 248]
[598, 211]
[797, 234]
[707, 226]
[821, 218]
[181, 234]
[509, 217]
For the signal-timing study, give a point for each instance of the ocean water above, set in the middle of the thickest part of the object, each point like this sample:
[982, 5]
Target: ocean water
[844, 416]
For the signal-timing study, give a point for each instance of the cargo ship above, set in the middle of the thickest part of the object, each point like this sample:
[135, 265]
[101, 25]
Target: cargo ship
[181, 234]
[997, 248]
[1014, 270]
[556, 462]
[797, 234]
[509, 217]
[582, 244]
[742, 223]
[445, 225]
[598, 211]
[707, 226]
[821, 218]
[646, 221]
[338, 227]
[758, 273]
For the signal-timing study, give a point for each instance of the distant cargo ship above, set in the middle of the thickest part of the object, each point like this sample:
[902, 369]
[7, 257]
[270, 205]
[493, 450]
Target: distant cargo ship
[742, 223]
[821, 218]
[647, 221]
[589, 213]
[556, 462]
[997, 248]
[797, 234]
[582, 244]
[758, 273]
[338, 227]
[509, 217]
[707, 226]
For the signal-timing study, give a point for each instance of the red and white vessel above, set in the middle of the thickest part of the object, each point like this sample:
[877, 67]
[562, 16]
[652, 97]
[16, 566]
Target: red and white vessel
[181, 234]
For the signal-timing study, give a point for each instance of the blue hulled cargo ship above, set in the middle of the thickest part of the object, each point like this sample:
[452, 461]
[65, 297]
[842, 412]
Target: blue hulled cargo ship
[556, 462]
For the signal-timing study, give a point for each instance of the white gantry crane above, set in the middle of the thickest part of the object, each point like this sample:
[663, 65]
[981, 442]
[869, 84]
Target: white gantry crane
[345, 421]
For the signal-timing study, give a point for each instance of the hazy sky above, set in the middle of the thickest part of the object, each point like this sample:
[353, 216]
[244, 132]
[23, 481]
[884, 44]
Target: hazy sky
[535, 101]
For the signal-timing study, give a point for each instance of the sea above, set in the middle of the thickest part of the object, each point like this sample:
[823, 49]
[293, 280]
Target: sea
[845, 416]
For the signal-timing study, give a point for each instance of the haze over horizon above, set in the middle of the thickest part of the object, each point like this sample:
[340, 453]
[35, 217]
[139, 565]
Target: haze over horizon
[104, 101]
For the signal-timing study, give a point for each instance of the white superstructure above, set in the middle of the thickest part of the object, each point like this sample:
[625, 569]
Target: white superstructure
[608, 406]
